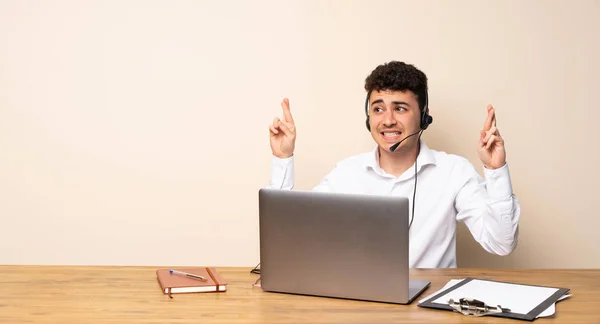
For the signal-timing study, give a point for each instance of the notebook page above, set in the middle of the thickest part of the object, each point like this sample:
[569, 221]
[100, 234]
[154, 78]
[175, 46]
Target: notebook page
[520, 299]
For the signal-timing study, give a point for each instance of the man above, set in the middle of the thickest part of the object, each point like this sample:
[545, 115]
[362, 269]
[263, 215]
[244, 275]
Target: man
[449, 188]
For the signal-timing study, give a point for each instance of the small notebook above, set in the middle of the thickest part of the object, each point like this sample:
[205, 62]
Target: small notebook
[177, 284]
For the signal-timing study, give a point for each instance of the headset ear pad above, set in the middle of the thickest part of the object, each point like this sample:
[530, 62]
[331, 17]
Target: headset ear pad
[425, 120]
[367, 111]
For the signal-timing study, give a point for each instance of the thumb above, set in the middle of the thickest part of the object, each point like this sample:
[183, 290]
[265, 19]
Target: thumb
[481, 144]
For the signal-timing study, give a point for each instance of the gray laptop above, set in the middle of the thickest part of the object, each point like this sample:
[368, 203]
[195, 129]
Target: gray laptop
[336, 245]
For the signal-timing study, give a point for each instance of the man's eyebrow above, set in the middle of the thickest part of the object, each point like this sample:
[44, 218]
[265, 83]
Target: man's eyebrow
[377, 101]
[393, 102]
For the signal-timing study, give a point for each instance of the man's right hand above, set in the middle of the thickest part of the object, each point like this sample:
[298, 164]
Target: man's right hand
[283, 133]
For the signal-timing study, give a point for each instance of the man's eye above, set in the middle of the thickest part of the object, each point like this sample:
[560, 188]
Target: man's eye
[377, 109]
[400, 108]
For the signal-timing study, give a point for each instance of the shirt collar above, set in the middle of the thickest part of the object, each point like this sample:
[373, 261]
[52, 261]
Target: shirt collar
[425, 157]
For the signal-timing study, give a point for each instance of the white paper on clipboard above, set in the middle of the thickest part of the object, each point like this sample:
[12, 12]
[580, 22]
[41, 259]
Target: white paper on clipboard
[547, 312]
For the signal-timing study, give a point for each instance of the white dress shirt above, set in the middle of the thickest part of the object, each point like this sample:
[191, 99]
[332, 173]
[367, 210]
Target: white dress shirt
[448, 190]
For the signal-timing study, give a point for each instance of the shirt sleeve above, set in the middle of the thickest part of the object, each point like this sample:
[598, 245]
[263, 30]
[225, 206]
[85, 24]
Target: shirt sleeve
[282, 173]
[282, 176]
[489, 208]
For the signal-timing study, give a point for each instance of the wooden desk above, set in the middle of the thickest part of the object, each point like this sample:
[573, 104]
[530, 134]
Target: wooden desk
[57, 294]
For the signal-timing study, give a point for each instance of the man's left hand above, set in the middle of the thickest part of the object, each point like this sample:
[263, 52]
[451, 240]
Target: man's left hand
[491, 145]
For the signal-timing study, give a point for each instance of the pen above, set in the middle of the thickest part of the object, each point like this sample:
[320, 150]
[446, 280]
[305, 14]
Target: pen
[191, 275]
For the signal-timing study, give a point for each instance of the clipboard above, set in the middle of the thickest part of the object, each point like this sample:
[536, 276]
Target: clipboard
[525, 302]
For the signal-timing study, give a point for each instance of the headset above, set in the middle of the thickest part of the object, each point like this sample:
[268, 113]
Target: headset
[426, 119]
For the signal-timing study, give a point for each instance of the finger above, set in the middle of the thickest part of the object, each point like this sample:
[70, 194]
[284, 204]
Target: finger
[489, 134]
[290, 126]
[287, 114]
[490, 141]
[490, 120]
[286, 130]
[276, 122]
[273, 130]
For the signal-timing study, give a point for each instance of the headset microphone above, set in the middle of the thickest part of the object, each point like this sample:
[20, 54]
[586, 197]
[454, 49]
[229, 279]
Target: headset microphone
[395, 146]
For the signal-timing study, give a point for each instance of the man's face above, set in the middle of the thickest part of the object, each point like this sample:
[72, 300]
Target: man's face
[393, 116]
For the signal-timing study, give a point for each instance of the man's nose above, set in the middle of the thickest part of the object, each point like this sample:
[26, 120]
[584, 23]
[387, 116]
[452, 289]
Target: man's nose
[389, 119]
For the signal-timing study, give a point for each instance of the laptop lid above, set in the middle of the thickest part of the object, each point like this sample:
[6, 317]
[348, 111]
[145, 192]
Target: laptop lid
[334, 245]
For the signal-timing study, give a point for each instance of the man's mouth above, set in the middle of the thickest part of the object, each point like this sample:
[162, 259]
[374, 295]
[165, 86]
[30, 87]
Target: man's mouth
[391, 136]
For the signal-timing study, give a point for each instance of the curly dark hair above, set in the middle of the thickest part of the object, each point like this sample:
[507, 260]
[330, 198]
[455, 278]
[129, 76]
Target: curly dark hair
[398, 76]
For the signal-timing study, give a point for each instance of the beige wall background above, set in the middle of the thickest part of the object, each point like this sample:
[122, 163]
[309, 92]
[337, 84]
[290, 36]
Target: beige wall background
[136, 132]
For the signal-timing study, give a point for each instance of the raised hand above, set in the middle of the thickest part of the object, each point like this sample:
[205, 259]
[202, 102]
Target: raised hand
[283, 133]
[491, 145]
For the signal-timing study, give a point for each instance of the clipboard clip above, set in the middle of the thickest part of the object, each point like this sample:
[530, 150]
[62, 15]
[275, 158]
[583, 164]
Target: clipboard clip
[474, 307]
